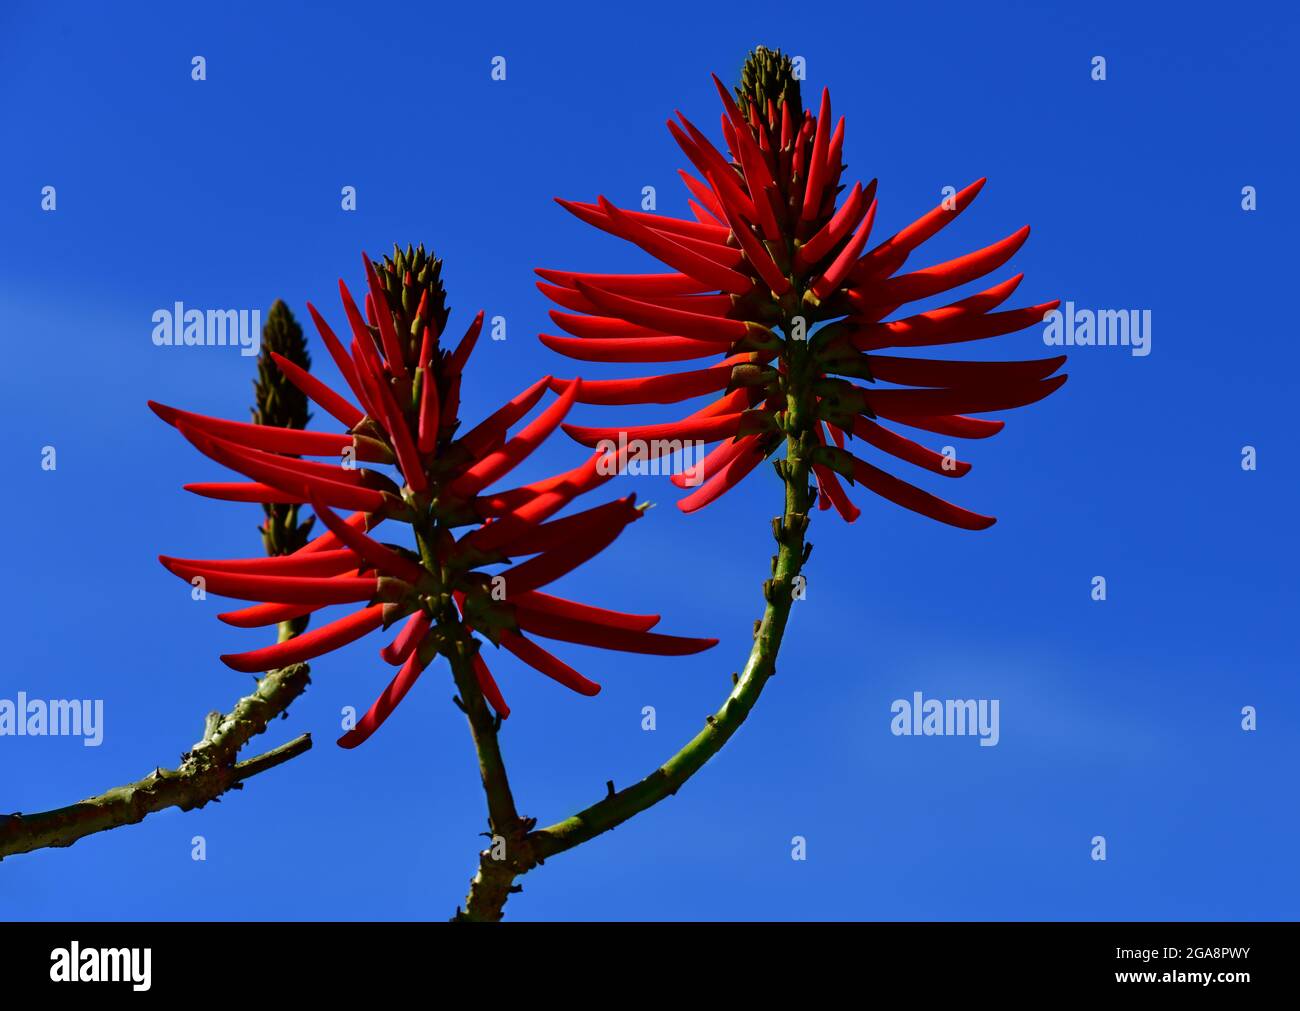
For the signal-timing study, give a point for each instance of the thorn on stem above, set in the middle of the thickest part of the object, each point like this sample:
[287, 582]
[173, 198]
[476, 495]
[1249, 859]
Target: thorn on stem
[459, 704]
[609, 786]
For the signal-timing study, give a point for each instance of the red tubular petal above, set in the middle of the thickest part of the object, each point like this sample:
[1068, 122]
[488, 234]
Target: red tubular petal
[533, 504]
[465, 348]
[369, 384]
[970, 328]
[917, 330]
[623, 640]
[328, 541]
[950, 274]
[839, 269]
[451, 402]
[544, 663]
[910, 403]
[834, 156]
[277, 589]
[430, 413]
[675, 322]
[400, 433]
[725, 478]
[360, 331]
[563, 533]
[714, 460]
[550, 565]
[384, 317]
[488, 686]
[382, 558]
[956, 426]
[933, 372]
[703, 429]
[385, 704]
[703, 194]
[828, 485]
[574, 301]
[602, 327]
[514, 452]
[366, 368]
[729, 135]
[309, 644]
[321, 394]
[733, 403]
[629, 284]
[333, 492]
[673, 253]
[268, 438]
[709, 161]
[754, 166]
[316, 563]
[833, 494]
[411, 635]
[492, 429]
[700, 213]
[905, 449]
[669, 389]
[643, 349]
[663, 223]
[558, 607]
[909, 497]
[834, 232]
[288, 465]
[313, 469]
[261, 615]
[341, 360]
[890, 254]
[245, 491]
[817, 168]
[584, 477]
[757, 255]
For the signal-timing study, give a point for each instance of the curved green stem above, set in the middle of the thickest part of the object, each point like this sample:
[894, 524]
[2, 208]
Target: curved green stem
[494, 881]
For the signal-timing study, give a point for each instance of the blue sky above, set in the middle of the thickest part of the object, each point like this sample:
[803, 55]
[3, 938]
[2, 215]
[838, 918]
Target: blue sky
[1119, 718]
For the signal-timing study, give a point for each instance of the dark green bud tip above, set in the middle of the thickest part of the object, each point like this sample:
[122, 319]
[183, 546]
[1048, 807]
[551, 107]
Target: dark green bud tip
[408, 275]
[277, 401]
[770, 74]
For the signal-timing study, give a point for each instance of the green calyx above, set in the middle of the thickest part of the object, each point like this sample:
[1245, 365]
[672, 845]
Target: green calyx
[769, 74]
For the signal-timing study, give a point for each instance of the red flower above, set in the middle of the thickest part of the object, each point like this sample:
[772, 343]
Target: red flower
[408, 391]
[769, 250]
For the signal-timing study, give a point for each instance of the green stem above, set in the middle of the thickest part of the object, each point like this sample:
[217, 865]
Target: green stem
[206, 772]
[508, 849]
[493, 883]
[503, 818]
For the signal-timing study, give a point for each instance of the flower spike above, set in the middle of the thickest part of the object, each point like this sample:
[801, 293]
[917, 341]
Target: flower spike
[446, 589]
[779, 267]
